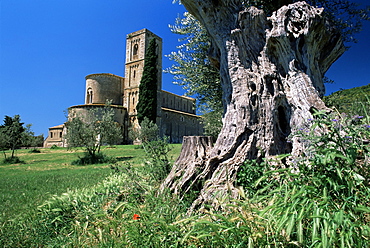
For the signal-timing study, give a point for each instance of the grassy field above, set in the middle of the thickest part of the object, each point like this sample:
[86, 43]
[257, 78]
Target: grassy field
[47, 202]
[25, 186]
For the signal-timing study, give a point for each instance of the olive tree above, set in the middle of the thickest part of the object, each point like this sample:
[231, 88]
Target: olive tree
[271, 61]
[91, 129]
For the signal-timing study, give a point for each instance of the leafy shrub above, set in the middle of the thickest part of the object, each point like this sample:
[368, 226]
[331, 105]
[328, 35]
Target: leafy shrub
[34, 150]
[12, 160]
[249, 173]
[96, 158]
[54, 147]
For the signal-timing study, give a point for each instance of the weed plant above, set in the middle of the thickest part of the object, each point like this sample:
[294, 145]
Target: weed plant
[157, 164]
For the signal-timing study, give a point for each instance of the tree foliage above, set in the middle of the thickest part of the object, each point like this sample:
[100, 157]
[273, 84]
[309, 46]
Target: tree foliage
[147, 105]
[29, 139]
[93, 129]
[212, 123]
[193, 69]
[11, 134]
[148, 131]
[195, 73]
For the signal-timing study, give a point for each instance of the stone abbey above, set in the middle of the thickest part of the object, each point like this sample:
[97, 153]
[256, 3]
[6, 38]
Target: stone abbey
[176, 115]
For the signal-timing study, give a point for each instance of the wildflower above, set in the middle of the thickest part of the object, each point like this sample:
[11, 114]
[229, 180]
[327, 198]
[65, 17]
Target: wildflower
[136, 217]
[334, 120]
[360, 117]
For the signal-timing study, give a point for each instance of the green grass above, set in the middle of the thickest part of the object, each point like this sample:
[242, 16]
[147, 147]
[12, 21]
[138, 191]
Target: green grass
[350, 101]
[323, 203]
[25, 186]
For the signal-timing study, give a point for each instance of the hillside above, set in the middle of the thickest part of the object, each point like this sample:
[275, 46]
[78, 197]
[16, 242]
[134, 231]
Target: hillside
[351, 101]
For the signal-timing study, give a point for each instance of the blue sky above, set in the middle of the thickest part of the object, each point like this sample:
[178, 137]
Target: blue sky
[47, 47]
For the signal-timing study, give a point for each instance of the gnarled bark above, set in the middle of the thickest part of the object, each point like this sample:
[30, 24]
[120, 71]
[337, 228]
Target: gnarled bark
[195, 149]
[271, 72]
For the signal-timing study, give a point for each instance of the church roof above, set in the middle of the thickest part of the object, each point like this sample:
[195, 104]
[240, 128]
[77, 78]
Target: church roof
[180, 112]
[57, 127]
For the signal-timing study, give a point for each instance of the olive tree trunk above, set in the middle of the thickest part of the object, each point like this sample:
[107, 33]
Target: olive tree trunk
[271, 72]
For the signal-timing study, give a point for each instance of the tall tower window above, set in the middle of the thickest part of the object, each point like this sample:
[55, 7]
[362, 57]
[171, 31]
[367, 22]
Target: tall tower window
[136, 48]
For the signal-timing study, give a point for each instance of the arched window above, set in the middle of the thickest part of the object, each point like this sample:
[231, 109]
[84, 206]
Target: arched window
[136, 48]
[89, 96]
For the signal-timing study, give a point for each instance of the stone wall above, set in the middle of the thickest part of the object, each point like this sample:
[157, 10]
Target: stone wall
[176, 124]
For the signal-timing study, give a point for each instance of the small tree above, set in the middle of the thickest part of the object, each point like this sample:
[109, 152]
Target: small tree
[93, 129]
[147, 105]
[147, 131]
[11, 134]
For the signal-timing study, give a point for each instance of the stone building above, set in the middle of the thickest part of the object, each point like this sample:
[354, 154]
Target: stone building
[55, 136]
[176, 115]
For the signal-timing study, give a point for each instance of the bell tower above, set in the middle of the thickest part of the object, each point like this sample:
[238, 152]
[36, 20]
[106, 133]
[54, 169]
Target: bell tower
[136, 45]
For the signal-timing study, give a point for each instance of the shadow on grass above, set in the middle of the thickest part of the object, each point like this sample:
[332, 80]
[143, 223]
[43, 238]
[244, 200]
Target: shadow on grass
[124, 158]
[12, 160]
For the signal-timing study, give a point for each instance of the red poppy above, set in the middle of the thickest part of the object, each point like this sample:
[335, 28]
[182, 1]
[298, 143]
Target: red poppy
[136, 217]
